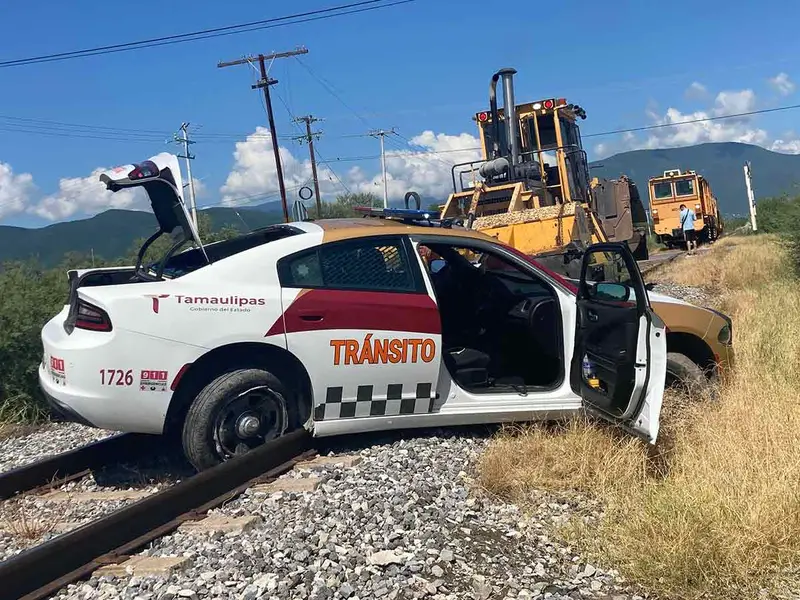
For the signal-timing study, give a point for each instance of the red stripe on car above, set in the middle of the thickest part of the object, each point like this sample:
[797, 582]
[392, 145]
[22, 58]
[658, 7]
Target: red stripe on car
[317, 310]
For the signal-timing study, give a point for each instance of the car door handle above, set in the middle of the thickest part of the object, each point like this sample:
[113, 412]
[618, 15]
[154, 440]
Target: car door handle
[311, 317]
[591, 315]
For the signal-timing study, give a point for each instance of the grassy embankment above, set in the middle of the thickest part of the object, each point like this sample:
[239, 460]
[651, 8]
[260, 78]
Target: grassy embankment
[723, 519]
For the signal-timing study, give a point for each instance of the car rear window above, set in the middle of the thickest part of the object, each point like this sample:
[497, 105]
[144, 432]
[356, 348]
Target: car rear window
[193, 259]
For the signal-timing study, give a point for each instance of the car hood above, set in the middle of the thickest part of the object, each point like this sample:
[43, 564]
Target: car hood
[656, 297]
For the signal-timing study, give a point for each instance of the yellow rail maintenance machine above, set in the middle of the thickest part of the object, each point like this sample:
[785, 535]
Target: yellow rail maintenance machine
[531, 189]
[674, 188]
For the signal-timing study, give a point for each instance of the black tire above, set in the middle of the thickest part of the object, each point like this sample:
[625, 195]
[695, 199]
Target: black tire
[685, 374]
[207, 435]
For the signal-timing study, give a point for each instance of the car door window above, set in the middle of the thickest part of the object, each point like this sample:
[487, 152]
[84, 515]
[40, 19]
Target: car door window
[371, 265]
[607, 268]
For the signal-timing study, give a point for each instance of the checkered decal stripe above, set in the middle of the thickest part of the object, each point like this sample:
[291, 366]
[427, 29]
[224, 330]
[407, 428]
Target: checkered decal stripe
[366, 405]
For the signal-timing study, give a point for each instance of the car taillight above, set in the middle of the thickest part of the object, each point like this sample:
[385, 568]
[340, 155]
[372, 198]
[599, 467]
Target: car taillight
[91, 317]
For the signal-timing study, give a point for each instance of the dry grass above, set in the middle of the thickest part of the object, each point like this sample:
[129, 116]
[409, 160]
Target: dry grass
[732, 264]
[19, 521]
[724, 519]
[13, 430]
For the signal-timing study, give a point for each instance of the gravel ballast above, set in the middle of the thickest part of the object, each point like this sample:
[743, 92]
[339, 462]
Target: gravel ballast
[49, 440]
[405, 522]
[691, 294]
[31, 519]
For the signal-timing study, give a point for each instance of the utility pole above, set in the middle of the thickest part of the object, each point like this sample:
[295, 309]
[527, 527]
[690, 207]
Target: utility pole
[381, 133]
[184, 139]
[309, 137]
[751, 200]
[264, 84]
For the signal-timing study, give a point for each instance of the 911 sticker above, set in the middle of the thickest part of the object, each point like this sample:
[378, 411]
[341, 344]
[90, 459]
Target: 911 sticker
[57, 369]
[153, 381]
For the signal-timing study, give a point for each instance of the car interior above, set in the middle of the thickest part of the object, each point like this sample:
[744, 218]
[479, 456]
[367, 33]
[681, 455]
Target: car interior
[501, 325]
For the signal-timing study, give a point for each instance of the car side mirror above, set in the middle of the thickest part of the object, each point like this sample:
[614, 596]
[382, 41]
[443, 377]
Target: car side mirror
[618, 292]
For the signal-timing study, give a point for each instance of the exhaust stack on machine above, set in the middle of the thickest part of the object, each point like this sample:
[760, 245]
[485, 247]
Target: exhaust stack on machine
[505, 159]
[510, 112]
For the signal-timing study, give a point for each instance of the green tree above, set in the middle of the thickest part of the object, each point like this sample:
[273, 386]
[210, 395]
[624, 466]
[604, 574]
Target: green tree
[161, 246]
[29, 297]
[344, 205]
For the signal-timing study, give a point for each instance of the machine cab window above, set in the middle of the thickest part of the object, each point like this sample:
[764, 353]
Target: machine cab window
[684, 187]
[662, 190]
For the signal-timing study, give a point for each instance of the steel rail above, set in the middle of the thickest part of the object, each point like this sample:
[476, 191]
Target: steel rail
[70, 465]
[42, 570]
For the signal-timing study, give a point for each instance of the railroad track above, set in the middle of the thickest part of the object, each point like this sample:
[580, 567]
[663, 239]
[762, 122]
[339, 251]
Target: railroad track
[69, 466]
[661, 258]
[40, 571]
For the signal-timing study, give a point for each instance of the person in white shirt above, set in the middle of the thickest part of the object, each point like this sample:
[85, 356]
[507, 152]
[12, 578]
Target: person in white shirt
[688, 218]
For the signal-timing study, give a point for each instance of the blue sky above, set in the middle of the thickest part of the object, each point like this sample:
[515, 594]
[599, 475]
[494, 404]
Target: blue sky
[421, 66]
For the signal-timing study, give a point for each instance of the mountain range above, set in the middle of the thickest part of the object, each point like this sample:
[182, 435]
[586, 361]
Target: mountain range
[721, 164]
[111, 233]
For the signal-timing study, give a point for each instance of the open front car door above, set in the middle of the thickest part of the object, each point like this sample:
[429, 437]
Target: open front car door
[620, 358]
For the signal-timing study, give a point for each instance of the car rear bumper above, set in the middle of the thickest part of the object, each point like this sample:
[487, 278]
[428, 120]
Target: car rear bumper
[59, 409]
[102, 378]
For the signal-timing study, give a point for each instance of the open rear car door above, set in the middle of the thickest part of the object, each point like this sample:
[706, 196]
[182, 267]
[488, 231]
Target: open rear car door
[160, 176]
[620, 358]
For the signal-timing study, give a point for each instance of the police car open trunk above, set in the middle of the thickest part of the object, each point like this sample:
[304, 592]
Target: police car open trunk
[160, 176]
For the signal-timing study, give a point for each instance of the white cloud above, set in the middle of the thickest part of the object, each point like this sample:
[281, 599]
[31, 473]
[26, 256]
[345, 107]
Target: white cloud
[15, 190]
[200, 189]
[731, 103]
[85, 195]
[254, 175]
[688, 129]
[423, 167]
[782, 84]
[786, 146]
[696, 91]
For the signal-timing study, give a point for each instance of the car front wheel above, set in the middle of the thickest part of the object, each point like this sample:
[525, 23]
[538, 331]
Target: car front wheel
[685, 375]
[235, 413]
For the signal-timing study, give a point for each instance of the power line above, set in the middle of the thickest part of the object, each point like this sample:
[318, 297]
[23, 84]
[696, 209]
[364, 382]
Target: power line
[304, 17]
[330, 169]
[264, 82]
[380, 134]
[309, 139]
[316, 151]
[329, 88]
[189, 157]
[701, 120]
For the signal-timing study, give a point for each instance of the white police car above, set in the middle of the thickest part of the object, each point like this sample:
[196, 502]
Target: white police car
[341, 326]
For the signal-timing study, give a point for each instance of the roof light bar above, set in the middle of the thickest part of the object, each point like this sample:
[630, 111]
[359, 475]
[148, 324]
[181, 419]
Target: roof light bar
[398, 213]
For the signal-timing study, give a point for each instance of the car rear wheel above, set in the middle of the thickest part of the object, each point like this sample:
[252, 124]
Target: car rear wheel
[235, 413]
[683, 374]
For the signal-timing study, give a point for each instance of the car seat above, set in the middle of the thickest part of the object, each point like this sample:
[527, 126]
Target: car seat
[469, 367]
